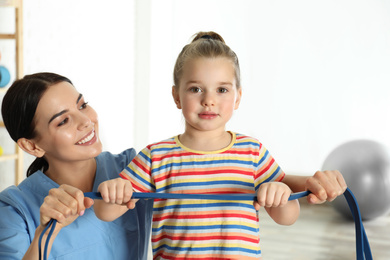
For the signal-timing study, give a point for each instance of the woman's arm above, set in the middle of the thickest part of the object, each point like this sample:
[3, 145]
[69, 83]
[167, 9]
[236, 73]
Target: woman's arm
[64, 204]
[324, 185]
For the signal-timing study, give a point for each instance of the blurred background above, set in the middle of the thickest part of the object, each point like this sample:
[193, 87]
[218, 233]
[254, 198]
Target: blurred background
[315, 74]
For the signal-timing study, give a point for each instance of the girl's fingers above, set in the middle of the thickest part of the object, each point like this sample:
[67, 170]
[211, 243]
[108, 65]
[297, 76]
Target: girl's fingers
[128, 192]
[272, 195]
[116, 191]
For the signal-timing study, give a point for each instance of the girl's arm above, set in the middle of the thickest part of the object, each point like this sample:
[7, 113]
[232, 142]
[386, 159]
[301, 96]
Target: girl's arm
[116, 199]
[273, 196]
[324, 185]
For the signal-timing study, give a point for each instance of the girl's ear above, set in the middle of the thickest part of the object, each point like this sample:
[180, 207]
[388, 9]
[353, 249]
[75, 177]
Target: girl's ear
[176, 96]
[30, 147]
[238, 99]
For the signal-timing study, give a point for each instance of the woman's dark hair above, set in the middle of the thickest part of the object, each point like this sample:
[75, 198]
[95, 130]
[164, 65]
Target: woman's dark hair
[19, 105]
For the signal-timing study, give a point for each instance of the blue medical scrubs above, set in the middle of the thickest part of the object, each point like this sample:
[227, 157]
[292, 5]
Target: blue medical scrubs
[87, 237]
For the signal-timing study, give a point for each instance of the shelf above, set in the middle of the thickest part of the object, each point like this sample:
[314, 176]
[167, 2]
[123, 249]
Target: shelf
[18, 38]
[10, 3]
[6, 157]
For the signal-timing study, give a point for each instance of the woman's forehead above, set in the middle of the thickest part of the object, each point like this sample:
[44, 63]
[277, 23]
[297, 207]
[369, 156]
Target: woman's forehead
[57, 97]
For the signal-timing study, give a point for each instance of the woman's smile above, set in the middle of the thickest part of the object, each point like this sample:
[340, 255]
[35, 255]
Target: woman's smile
[89, 139]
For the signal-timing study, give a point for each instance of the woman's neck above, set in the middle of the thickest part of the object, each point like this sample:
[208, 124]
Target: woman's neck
[79, 174]
[206, 140]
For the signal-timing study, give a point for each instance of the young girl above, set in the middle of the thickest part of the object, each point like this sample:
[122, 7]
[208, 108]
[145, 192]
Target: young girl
[205, 159]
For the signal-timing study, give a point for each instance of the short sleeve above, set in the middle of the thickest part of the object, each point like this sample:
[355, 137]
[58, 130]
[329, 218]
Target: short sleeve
[267, 169]
[14, 236]
[139, 172]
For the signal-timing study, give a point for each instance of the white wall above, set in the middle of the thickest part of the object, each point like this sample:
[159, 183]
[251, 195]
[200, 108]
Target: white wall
[92, 43]
[315, 74]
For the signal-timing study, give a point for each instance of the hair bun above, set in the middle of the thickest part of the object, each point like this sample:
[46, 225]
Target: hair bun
[208, 36]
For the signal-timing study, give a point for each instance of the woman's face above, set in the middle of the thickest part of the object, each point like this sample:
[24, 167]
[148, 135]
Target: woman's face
[66, 127]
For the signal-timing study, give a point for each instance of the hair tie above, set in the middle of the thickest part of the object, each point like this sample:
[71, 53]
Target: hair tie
[207, 37]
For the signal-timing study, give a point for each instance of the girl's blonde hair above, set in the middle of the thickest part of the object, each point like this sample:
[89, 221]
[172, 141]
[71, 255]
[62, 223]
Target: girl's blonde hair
[205, 45]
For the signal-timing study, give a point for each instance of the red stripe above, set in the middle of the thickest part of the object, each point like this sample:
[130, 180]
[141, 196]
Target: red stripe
[134, 184]
[161, 254]
[140, 165]
[210, 216]
[204, 238]
[156, 158]
[270, 163]
[202, 172]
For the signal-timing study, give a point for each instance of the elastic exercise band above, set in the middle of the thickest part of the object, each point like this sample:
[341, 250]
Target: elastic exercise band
[363, 251]
[142, 195]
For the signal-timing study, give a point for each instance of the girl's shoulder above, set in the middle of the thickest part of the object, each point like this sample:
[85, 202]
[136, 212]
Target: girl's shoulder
[163, 144]
[246, 139]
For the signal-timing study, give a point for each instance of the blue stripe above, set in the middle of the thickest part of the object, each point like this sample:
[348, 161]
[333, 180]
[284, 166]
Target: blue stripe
[263, 158]
[204, 205]
[214, 248]
[205, 183]
[256, 145]
[270, 178]
[147, 158]
[138, 179]
[213, 162]
[208, 227]
[164, 149]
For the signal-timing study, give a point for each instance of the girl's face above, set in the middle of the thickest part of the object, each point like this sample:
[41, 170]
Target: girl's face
[207, 93]
[67, 128]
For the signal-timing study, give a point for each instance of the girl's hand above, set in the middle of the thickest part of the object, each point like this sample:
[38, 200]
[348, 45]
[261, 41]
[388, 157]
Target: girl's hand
[63, 204]
[117, 191]
[325, 186]
[272, 194]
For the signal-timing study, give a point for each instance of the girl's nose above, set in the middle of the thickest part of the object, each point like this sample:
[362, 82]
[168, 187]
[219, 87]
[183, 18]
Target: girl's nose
[208, 100]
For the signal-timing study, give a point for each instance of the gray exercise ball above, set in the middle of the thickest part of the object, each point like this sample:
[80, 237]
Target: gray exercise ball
[365, 165]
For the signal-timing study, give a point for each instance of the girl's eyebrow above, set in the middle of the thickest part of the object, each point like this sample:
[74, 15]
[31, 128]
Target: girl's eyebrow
[64, 111]
[199, 82]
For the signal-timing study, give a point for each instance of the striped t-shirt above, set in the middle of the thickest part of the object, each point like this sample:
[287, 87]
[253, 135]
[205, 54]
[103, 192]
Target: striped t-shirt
[204, 229]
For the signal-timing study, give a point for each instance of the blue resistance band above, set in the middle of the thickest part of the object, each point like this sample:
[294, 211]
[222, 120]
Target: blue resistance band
[363, 251]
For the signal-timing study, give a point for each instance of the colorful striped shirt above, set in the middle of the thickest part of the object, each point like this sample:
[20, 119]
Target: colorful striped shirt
[204, 229]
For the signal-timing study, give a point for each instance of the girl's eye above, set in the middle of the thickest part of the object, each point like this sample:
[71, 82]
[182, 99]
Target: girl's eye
[63, 122]
[195, 90]
[222, 90]
[84, 105]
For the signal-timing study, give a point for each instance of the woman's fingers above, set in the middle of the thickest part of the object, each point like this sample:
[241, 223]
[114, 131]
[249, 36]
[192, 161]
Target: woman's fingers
[63, 204]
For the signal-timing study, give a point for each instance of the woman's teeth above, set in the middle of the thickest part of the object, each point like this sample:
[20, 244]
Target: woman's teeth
[87, 139]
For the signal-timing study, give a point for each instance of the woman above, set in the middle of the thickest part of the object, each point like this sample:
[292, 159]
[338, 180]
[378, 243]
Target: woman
[49, 119]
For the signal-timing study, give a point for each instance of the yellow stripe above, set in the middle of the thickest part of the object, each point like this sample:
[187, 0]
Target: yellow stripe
[199, 244]
[162, 203]
[196, 223]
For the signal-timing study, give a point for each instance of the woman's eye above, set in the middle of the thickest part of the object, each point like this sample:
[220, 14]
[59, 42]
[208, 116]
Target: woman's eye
[222, 90]
[63, 122]
[84, 105]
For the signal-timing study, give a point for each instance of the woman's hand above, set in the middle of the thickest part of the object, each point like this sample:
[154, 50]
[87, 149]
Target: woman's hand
[63, 204]
[325, 186]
